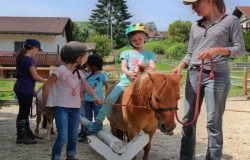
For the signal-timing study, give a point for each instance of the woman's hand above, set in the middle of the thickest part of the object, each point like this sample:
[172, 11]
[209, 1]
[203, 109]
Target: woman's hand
[208, 54]
[178, 68]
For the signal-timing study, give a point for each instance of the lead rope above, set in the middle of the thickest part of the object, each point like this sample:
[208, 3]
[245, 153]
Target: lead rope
[197, 103]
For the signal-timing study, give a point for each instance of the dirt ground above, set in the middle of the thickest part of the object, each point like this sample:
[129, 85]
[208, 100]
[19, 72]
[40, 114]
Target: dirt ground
[236, 138]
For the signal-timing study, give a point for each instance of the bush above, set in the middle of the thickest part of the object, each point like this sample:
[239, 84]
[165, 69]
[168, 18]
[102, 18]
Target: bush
[247, 40]
[179, 30]
[243, 58]
[158, 50]
[177, 51]
[103, 44]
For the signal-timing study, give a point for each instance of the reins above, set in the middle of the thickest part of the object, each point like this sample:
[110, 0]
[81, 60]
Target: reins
[197, 103]
[149, 106]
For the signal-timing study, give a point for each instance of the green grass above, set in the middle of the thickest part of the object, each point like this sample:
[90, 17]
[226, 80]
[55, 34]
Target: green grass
[163, 67]
[8, 86]
[234, 90]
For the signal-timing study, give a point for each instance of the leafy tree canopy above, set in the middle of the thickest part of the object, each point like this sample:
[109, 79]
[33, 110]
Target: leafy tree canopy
[82, 30]
[247, 40]
[111, 15]
[179, 30]
[151, 26]
[103, 45]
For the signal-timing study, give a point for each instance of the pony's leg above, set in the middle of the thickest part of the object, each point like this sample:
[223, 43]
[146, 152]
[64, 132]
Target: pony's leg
[147, 149]
[52, 128]
[117, 133]
[148, 146]
[49, 121]
[38, 120]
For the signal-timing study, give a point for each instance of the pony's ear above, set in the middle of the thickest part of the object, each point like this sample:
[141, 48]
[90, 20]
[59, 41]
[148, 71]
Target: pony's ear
[152, 76]
[141, 68]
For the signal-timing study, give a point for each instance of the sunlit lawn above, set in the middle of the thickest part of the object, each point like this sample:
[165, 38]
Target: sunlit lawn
[234, 90]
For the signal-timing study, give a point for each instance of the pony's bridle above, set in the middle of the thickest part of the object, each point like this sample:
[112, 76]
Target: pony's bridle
[149, 106]
[158, 110]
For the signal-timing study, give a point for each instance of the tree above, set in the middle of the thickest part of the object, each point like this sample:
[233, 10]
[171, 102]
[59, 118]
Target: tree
[179, 30]
[151, 26]
[81, 31]
[177, 51]
[103, 45]
[111, 15]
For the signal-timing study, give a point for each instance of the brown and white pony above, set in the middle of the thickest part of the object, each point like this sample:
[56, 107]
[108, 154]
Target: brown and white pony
[150, 101]
[43, 110]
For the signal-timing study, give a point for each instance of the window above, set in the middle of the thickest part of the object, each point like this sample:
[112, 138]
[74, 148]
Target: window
[18, 46]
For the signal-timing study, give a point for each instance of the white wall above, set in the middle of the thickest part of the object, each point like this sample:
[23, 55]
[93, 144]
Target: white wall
[244, 20]
[49, 43]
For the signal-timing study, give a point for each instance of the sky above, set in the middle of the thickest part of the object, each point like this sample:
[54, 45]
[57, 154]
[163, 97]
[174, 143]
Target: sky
[162, 12]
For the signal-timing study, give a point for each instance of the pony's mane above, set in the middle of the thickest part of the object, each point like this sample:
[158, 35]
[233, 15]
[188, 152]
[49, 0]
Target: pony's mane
[169, 87]
[142, 87]
[165, 85]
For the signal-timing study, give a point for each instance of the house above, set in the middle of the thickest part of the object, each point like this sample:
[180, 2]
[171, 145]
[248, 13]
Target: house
[157, 35]
[243, 13]
[52, 32]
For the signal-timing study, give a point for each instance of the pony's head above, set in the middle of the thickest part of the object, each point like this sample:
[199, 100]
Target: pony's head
[163, 100]
[161, 93]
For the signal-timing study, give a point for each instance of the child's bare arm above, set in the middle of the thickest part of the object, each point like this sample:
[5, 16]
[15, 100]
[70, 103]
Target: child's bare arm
[152, 65]
[124, 67]
[46, 87]
[82, 91]
[91, 91]
[106, 85]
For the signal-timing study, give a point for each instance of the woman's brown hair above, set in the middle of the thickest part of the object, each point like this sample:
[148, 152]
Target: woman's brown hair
[220, 4]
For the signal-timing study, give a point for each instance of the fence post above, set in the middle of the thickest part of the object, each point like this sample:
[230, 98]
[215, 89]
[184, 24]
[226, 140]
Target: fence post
[245, 81]
[1, 72]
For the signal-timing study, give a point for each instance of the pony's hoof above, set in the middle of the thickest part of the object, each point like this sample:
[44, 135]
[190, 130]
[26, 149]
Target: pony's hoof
[36, 133]
[48, 138]
[169, 133]
[94, 127]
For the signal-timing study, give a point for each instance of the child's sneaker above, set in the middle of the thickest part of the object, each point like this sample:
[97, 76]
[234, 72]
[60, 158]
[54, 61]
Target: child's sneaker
[84, 140]
[71, 158]
[94, 127]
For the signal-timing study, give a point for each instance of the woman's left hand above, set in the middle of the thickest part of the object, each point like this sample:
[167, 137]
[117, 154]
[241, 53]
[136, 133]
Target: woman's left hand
[208, 54]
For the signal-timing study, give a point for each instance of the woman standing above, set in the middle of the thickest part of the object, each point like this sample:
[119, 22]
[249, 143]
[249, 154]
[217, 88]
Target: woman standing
[215, 36]
[26, 75]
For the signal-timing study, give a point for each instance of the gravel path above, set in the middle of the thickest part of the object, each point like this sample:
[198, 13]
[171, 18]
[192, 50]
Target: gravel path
[236, 138]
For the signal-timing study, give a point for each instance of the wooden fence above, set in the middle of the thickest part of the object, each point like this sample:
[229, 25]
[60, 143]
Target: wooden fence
[46, 59]
[113, 75]
[242, 81]
[111, 72]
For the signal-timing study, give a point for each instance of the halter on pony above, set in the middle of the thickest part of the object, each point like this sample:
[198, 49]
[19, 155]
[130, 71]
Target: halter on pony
[158, 110]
